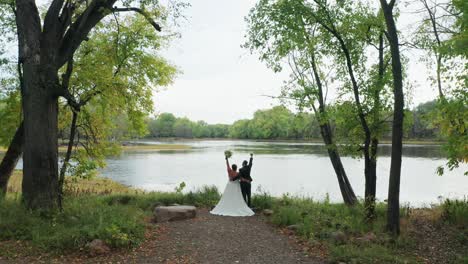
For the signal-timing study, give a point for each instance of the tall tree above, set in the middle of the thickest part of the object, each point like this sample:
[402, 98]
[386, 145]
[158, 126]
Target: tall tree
[393, 209]
[278, 31]
[44, 48]
[130, 67]
[443, 35]
[351, 28]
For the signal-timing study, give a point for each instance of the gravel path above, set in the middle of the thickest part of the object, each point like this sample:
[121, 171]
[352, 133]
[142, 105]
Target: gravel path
[205, 239]
[220, 239]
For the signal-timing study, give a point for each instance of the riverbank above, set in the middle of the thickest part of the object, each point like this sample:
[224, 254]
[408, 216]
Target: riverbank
[322, 231]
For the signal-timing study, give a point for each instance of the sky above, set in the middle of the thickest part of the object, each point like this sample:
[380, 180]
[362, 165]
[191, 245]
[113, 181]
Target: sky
[222, 82]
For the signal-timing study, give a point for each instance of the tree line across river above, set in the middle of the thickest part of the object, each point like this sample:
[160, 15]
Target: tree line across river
[281, 123]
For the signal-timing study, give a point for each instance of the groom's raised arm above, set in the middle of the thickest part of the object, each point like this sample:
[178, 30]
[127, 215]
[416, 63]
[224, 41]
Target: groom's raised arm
[250, 161]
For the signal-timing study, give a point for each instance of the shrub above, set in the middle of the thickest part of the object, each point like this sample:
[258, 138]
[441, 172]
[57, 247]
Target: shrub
[456, 212]
[83, 219]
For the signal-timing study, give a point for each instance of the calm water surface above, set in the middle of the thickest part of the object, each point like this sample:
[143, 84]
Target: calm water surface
[295, 168]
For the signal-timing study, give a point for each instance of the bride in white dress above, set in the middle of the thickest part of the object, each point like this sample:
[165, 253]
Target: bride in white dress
[232, 203]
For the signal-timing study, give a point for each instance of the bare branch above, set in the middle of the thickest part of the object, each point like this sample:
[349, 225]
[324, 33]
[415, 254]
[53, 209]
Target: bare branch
[140, 11]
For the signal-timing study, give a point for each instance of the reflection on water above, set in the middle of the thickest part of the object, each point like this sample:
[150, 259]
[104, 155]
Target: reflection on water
[285, 167]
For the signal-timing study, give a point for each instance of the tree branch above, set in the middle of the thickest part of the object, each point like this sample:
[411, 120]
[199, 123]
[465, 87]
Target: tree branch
[140, 11]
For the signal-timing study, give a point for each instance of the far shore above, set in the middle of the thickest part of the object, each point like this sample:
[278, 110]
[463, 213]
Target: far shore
[312, 140]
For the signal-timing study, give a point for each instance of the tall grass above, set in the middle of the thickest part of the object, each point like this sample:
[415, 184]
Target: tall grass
[322, 222]
[93, 209]
[456, 212]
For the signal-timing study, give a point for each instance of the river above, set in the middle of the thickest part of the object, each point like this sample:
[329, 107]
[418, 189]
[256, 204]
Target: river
[301, 169]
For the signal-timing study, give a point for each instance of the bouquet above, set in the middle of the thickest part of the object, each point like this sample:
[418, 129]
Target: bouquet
[227, 154]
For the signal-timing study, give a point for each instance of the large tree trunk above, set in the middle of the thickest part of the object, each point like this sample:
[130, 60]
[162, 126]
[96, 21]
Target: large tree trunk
[37, 54]
[11, 158]
[393, 210]
[40, 162]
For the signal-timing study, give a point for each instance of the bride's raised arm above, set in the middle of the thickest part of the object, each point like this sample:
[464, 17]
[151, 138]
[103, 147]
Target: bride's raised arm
[228, 167]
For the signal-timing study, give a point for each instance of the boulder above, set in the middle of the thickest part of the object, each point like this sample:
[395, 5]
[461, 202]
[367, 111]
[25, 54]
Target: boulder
[97, 247]
[367, 238]
[339, 237]
[294, 227]
[268, 212]
[174, 213]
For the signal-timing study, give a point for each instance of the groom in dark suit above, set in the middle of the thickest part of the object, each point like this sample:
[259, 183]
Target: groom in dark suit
[246, 179]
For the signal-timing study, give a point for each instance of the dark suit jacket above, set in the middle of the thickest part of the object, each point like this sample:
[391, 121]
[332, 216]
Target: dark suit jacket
[244, 172]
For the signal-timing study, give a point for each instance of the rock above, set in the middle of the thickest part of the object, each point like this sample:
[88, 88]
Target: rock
[268, 212]
[97, 247]
[338, 237]
[256, 210]
[367, 238]
[174, 213]
[175, 204]
[294, 227]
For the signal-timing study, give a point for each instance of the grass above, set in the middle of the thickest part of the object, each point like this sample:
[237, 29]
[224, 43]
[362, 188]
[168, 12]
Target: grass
[93, 209]
[322, 223]
[77, 187]
[103, 209]
[455, 212]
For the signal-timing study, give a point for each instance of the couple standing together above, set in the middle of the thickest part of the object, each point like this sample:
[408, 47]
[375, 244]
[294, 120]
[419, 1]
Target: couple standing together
[235, 200]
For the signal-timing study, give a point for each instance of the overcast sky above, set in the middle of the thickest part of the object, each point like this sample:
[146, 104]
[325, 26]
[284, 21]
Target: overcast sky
[222, 82]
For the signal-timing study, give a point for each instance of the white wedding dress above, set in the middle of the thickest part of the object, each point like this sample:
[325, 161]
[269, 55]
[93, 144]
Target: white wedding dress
[232, 203]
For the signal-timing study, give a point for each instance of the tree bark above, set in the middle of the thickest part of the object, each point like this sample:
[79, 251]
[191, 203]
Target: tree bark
[11, 158]
[371, 158]
[71, 140]
[346, 189]
[40, 109]
[371, 182]
[393, 209]
[40, 167]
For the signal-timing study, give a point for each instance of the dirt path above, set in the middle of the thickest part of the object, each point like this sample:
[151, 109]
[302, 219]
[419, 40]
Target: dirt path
[216, 239]
[205, 239]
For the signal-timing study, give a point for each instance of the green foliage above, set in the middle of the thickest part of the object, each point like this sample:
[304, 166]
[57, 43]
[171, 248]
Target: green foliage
[83, 219]
[162, 125]
[10, 116]
[180, 188]
[119, 98]
[455, 212]
[368, 254]
[457, 43]
[318, 222]
[167, 125]
[450, 118]
[117, 219]
[444, 37]
[276, 123]
[262, 199]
